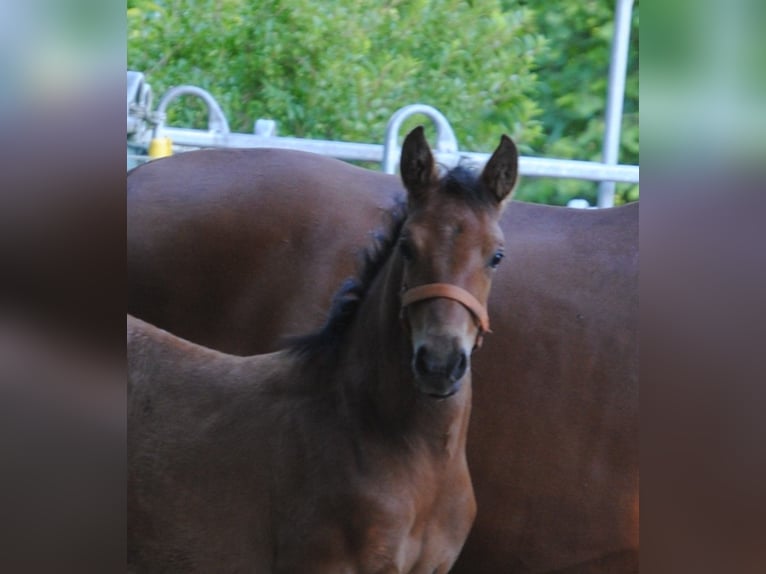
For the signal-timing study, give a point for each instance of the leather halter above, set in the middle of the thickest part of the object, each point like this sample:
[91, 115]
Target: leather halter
[447, 291]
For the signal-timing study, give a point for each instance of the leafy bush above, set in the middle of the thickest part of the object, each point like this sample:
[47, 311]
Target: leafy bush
[338, 70]
[573, 76]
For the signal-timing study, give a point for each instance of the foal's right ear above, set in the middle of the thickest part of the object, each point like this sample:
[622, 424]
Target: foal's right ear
[417, 163]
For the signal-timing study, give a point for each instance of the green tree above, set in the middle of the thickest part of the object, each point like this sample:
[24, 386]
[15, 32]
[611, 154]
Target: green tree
[573, 75]
[338, 70]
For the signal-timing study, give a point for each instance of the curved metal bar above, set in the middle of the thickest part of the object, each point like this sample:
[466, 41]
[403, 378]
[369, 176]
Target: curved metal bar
[446, 142]
[216, 123]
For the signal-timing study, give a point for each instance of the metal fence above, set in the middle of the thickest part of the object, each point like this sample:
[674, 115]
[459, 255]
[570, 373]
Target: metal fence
[147, 130]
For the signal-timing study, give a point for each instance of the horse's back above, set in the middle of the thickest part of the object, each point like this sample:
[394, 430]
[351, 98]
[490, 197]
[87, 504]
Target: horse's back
[214, 234]
[155, 355]
[553, 443]
[185, 449]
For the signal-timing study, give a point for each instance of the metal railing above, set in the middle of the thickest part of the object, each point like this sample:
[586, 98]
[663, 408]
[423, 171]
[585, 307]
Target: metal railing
[387, 154]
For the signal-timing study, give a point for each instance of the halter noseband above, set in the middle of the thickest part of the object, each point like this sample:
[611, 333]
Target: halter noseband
[447, 291]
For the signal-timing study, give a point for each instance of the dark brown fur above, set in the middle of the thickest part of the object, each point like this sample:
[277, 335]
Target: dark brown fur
[293, 462]
[553, 444]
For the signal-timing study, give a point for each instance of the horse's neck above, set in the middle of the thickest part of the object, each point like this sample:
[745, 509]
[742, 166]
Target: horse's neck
[377, 375]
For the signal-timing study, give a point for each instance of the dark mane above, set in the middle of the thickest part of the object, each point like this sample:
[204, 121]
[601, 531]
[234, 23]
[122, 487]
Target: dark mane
[462, 181]
[352, 292]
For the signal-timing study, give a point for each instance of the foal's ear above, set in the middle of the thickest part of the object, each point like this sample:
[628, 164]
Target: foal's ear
[417, 163]
[501, 173]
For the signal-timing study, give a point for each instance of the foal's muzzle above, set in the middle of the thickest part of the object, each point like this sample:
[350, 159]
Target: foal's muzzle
[440, 363]
[438, 371]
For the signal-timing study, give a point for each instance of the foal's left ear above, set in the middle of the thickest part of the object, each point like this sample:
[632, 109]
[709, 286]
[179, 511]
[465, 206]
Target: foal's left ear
[501, 173]
[417, 163]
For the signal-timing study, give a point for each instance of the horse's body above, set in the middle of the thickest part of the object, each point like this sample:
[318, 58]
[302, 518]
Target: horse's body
[198, 242]
[231, 473]
[345, 452]
[553, 444]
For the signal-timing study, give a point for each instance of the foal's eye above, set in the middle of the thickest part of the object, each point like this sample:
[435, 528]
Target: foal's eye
[405, 248]
[496, 259]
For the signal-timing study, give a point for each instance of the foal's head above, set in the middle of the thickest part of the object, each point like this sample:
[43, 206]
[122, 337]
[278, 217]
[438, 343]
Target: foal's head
[450, 245]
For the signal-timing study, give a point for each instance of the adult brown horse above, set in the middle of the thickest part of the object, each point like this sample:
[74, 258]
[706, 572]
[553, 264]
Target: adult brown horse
[237, 249]
[346, 451]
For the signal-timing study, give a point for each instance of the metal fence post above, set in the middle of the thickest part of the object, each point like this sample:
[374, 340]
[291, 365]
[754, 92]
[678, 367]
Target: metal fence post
[618, 66]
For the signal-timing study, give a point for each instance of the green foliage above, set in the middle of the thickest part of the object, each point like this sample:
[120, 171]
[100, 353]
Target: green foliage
[573, 74]
[339, 69]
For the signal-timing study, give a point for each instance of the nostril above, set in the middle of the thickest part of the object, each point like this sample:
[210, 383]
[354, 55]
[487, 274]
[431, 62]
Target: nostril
[460, 367]
[428, 363]
[421, 364]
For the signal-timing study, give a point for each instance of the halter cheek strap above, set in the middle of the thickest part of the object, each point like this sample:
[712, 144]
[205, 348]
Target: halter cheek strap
[447, 291]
